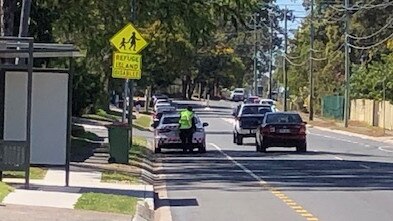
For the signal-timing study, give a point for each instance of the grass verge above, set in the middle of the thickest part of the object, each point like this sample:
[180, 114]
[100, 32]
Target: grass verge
[139, 146]
[143, 121]
[4, 190]
[36, 173]
[107, 203]
[119, 177]
[102, 115]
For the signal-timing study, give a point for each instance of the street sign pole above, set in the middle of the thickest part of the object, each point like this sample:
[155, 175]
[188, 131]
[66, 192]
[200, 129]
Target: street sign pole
[131, 104]
[125, 94]
[127, 61]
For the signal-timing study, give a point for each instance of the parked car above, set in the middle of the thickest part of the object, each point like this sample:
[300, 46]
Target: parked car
[160, 105]
[247, 120]
[166, 134]
[238, 94]
[157, 97]
[282, 129]
[160, 112]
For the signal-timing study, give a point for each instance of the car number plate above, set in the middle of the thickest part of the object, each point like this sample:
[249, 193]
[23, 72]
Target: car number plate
[284, 131]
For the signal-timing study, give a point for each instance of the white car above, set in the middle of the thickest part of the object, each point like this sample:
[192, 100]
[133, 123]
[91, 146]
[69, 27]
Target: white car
[270, 102]
[161, 105]
[166, 134]
[267, 101]
[238, 94]
[160, 112]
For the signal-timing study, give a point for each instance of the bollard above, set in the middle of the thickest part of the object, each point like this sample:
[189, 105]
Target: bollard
[208, 102]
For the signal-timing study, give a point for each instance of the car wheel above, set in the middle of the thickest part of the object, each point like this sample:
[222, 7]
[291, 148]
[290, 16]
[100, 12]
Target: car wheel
[239, 139]
[202, 149]
[258, 147]
[234, 138]
[302, 147]
[157, 149]
[264, 146]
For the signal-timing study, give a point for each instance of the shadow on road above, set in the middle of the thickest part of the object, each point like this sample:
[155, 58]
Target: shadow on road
[214, 171]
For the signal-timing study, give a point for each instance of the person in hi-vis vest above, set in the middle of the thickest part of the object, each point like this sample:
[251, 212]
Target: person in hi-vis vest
[187, 127]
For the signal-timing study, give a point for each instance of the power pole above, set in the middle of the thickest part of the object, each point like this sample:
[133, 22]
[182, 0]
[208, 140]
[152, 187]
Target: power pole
[131, 100]
[255, 57]
[24, 18]
[347, 65]
[311, 76]
[24, 23]
[271, 59]
[285, 61]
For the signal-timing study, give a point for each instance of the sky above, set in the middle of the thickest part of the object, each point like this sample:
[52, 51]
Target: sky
[298, 11]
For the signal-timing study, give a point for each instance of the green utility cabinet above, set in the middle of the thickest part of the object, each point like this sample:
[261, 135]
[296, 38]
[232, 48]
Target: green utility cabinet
[119, 143]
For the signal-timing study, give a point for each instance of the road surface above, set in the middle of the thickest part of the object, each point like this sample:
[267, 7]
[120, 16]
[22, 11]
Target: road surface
[339, 178]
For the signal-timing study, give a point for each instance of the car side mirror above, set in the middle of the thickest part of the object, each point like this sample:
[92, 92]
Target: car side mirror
[154, 125]
[205, 124]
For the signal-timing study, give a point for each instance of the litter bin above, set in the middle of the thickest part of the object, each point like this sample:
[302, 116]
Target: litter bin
[119, 143]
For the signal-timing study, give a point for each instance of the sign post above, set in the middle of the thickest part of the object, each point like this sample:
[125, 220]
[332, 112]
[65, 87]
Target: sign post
[127, 62]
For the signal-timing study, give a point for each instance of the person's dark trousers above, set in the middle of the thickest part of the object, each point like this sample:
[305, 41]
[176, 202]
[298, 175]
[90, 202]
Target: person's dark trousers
[186, 137]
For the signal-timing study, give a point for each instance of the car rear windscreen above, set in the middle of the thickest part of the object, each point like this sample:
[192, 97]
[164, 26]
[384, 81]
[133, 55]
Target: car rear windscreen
[171, 120]
[255, 110]
[283, 118]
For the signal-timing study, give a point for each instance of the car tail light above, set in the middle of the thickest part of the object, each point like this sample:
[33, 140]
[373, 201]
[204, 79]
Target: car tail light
[302, 129]
[268, 129]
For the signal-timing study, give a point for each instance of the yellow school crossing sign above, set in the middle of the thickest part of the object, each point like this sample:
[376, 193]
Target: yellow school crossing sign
[128, 40]
[127, 66]
[127, 63]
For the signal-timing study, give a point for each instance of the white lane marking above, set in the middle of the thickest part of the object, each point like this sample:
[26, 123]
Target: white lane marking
[339, 158]
[245, 169]
[383, 148]
[340, 139]
[364, 166]
[229, 120]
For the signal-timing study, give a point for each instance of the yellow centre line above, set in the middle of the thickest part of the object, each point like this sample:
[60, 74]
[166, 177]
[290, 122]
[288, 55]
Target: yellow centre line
[280, 195]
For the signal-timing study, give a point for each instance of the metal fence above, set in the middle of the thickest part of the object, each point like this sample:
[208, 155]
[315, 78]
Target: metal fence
[333, 107]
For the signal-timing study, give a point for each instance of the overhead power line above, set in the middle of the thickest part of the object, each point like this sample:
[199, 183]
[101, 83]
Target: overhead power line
[295, 64]
[371, 46]
[389, 24]
[362, 7]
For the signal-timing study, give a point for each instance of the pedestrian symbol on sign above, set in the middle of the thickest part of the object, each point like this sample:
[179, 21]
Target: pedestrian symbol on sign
[123, 43]
[129, 40]
[133, 40]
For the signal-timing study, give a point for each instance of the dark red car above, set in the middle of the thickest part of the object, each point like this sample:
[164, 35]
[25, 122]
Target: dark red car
[281, 129]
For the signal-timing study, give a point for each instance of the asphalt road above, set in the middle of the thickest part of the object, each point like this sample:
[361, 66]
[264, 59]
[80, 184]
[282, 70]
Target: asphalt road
[339, 178]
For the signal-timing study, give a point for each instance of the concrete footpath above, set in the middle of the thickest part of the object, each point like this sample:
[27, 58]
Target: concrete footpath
[50, 198]
[23, 213]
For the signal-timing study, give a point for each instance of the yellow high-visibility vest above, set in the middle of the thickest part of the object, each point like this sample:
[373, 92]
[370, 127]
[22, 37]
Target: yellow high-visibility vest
[186, 119]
